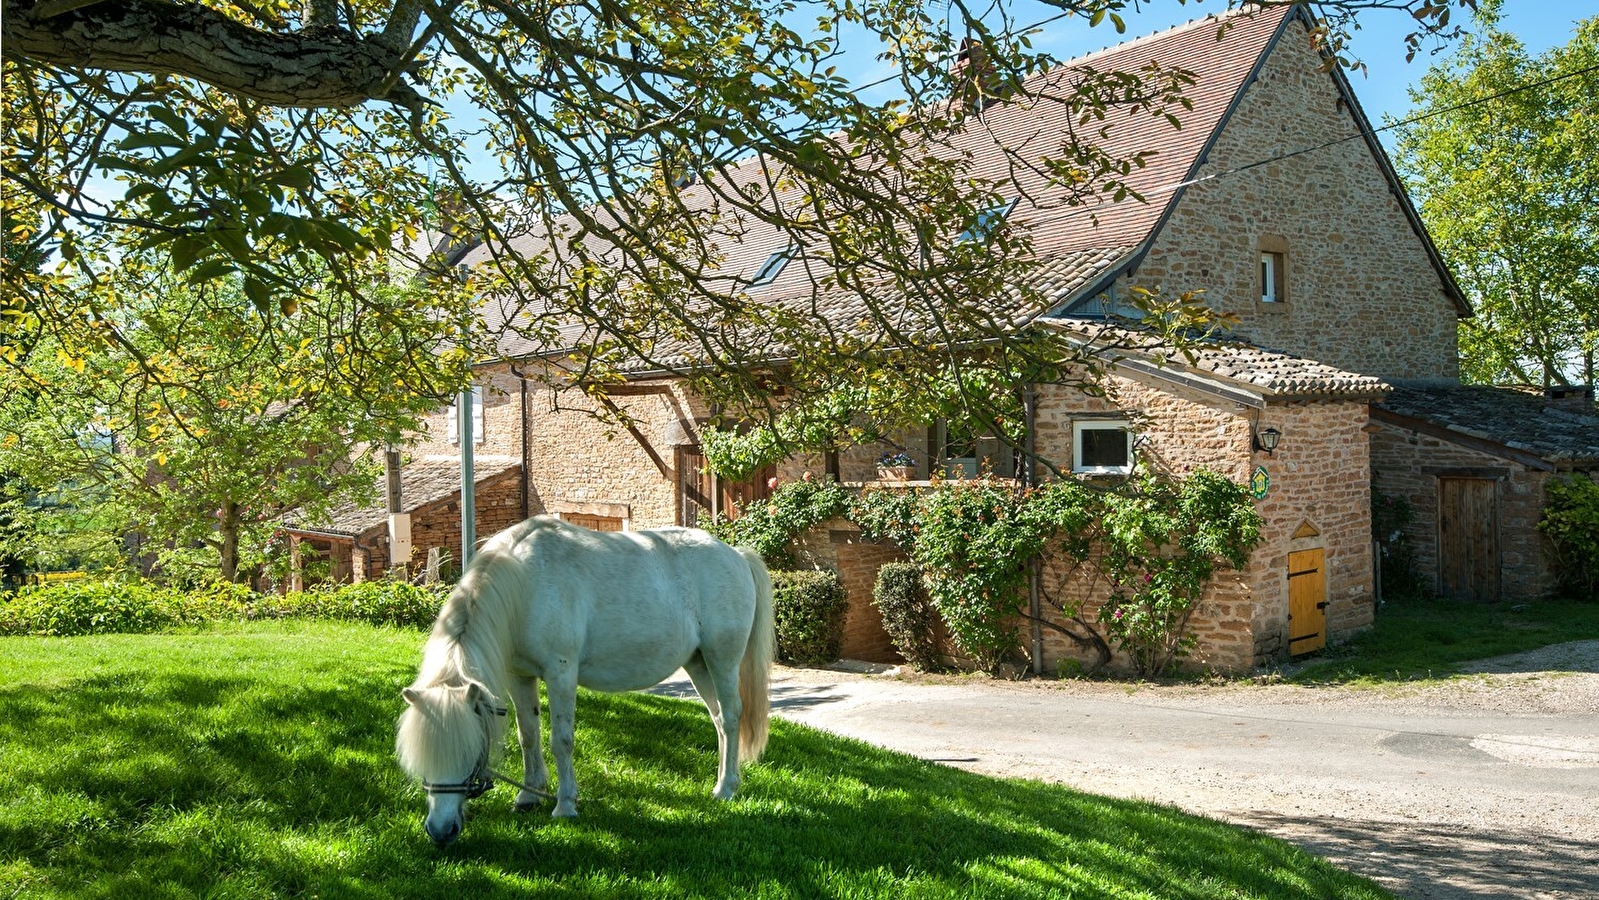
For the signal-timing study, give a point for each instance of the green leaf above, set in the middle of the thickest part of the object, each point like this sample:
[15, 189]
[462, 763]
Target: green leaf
[211, 270]
[150, 140]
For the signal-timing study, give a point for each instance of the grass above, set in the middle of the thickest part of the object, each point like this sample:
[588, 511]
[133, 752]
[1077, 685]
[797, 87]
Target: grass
[1427, 638]
[255, 760]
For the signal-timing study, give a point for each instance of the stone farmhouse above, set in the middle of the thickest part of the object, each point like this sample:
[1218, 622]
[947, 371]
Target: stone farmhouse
[1274, 198]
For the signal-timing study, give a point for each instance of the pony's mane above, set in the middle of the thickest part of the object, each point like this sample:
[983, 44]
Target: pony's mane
[468, 646]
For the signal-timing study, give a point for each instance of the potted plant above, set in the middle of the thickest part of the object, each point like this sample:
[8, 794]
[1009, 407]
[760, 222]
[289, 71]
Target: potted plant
[896, 465]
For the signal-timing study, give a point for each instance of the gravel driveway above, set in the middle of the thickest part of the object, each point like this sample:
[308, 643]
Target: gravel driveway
[1483, 786]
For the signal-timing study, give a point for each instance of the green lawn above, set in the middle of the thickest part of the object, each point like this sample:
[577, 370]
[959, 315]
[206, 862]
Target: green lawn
[1419, 638]
[255, 761]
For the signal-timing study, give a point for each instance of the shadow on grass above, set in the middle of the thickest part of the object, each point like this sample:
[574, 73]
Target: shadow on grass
[187, 780]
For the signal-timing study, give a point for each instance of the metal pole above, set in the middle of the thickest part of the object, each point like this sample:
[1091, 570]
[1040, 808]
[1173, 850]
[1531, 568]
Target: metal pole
[1035, 605]
[463, 428]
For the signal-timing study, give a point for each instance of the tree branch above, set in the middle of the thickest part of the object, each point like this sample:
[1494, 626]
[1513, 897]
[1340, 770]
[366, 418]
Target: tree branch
[327, 68]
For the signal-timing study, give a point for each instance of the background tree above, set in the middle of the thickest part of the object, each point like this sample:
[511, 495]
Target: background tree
[201, 431]
[1508, 184]
[281, 144]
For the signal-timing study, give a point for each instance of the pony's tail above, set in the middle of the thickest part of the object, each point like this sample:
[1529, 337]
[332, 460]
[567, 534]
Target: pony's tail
[754, 674]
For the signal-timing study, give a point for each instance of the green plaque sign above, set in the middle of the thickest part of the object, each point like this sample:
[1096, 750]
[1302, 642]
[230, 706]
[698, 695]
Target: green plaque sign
[1259, 483]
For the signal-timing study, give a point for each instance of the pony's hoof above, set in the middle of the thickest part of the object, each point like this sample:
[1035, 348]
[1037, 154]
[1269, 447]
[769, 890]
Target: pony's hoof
[526, 806]
[566, 813]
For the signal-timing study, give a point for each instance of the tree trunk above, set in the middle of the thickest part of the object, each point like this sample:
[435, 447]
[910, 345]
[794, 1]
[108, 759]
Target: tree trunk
[229, 528]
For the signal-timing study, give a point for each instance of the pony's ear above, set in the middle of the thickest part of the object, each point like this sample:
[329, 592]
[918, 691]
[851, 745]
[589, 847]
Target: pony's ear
[411, 695]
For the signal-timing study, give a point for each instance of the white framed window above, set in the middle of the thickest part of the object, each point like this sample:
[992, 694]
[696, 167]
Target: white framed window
[1102, 448]
[1271, 276]
[773, 267]
[452, 418]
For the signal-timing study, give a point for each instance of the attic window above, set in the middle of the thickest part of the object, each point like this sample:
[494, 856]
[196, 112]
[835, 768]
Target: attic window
[773, 266]
[988, 222]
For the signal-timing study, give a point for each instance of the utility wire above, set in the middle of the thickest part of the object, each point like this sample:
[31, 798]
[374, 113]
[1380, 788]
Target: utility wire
[1499, 95]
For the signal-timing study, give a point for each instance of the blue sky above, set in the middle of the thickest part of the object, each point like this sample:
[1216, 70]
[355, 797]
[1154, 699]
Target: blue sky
[1382, 90]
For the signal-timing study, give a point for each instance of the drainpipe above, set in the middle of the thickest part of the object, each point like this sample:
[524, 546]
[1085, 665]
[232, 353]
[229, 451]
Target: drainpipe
[1035, 604]
[463, 430]
[527, 458]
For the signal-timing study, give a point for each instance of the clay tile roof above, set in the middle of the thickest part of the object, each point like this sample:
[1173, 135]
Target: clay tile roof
[1073, 239]
[422, 482]
[1272, 373]
[1519, 419]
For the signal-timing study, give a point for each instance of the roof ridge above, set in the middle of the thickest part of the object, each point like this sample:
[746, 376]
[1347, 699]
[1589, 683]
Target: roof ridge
[1191, 24]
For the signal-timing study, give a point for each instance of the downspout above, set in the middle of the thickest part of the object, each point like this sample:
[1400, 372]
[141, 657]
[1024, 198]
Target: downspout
[1035, 604]
[463, 430]
[527, 457]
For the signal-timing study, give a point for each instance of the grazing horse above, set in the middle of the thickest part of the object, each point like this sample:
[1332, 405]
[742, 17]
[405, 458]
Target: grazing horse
[615, 611]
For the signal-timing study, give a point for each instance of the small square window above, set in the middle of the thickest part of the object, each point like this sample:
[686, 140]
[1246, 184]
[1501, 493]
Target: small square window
[1102, 448]
[1271, 277]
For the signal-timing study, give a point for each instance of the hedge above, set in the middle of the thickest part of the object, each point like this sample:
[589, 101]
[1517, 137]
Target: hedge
[106, 607]
[809, 607]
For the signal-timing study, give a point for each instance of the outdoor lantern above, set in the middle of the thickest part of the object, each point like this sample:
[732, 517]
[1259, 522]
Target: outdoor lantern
[1267, 440]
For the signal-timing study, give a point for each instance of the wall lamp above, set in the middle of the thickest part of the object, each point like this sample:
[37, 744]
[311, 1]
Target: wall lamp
[1267, 440]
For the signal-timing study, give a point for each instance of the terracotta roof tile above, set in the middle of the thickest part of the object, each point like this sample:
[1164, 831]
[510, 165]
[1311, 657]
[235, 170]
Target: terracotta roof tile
[1065, 235]
[1271, 372]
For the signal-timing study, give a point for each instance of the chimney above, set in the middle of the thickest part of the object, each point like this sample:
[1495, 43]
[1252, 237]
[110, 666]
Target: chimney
[973, 85]
[1576, 398]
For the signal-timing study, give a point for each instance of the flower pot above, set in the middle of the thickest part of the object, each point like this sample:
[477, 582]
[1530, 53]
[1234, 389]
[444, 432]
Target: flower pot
[896, 473]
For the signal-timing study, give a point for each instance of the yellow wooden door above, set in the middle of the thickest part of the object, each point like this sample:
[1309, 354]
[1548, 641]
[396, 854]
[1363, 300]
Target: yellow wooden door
[1307, 601]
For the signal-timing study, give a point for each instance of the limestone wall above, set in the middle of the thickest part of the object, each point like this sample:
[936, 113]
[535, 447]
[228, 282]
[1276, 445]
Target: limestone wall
[1361, 292]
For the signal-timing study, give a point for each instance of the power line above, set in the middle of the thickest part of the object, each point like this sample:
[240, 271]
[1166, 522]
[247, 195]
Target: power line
[1500, 95]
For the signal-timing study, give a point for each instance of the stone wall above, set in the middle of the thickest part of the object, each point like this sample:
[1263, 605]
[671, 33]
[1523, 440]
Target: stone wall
[1361, 293]
[498, 506]
[1320, 476]
[1408, 464]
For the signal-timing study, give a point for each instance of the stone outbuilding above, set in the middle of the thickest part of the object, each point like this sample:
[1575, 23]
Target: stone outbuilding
[1473, 462]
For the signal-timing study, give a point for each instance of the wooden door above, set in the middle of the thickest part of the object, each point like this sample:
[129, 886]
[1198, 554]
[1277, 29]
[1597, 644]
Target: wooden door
[1468, 539]
[1307, 601]
[696, 488]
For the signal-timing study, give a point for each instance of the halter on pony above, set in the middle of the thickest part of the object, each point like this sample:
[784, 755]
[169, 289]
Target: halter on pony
[482, 778]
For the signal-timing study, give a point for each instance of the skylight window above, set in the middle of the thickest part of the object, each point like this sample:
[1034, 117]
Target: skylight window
[988, 221]
[773, 266]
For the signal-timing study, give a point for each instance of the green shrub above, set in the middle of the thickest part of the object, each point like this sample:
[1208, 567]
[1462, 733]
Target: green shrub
[103, 607]
[771, 526]
[373, 602]
[908, 615]
[1571, 521]
[809, 607]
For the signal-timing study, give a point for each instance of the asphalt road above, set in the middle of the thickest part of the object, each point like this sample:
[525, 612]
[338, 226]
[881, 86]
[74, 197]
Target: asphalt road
[1479, 787]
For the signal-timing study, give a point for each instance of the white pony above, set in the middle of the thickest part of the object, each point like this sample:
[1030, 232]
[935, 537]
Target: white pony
[614, 611]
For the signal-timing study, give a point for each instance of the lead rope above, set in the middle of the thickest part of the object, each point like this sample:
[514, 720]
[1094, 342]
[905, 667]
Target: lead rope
[497, 775]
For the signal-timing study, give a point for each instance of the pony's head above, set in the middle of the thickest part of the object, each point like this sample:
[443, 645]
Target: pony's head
[445, 738]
